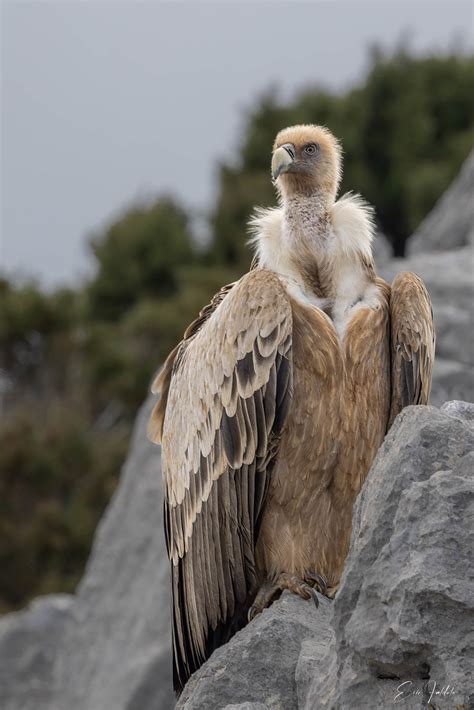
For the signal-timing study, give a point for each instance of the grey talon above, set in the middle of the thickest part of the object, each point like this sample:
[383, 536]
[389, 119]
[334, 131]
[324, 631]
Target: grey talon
[315, 577]
[315, 597]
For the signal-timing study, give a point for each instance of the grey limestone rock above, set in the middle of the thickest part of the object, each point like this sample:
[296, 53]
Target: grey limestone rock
[450, 224]
[28, 643]
[225, 678]
[270, 663]
[459, 410]
[246, 706]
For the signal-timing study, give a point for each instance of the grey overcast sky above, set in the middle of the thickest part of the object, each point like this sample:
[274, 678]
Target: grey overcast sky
[104, 102]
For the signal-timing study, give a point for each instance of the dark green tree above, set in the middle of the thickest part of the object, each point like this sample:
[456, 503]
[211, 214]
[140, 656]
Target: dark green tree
[139, 257]
[405, 132]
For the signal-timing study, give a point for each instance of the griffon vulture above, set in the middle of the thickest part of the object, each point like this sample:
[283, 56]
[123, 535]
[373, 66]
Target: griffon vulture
[276, 401]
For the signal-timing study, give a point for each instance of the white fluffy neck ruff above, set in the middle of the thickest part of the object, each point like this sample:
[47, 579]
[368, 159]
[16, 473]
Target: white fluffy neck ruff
[351, 232]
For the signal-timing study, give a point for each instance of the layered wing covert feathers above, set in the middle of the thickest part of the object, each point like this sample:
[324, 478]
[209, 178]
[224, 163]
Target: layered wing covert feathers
[412, 342]
[225, 393]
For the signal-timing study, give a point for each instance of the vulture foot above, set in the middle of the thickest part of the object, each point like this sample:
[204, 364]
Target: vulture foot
[331, 591]
[306, 589]
[316, 581]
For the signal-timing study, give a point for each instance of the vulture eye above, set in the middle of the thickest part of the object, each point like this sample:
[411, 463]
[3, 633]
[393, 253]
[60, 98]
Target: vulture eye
[310, 148]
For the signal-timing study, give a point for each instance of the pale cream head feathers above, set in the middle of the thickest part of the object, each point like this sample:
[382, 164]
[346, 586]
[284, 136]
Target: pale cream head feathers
[307, 160]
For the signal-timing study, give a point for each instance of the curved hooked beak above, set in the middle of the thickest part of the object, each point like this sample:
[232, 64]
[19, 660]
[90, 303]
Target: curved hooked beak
[283, 157]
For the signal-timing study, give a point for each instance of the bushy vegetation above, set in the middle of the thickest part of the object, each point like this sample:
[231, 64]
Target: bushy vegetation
[76, 364]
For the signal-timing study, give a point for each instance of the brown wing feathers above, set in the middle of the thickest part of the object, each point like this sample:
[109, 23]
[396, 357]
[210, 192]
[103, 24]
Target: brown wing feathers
[412, 342]
[228, 389]
[162, 382]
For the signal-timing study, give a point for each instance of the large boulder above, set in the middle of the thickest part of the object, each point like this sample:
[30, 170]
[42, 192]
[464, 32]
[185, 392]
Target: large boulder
[402, 623]
[269, 664]
[450, 224]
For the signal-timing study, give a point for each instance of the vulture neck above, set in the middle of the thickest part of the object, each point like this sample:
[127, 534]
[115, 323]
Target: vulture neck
[322, 251]
[307, 219]
[308, 244]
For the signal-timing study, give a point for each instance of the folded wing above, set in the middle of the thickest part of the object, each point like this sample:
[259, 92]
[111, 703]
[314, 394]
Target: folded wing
[225, 393]
[412, 342]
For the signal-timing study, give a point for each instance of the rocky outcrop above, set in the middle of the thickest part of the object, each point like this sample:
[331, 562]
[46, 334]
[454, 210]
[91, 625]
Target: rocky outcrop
[450, 224]
[403, 613]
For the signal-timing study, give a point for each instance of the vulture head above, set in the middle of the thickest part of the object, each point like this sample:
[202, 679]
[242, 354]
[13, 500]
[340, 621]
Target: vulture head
[306, 161]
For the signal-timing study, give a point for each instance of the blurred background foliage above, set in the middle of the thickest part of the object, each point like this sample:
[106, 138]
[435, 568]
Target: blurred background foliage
[75, 365]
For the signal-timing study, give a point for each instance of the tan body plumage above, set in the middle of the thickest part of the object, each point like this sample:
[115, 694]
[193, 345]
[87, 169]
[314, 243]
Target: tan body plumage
[328, 443]
[275, 403]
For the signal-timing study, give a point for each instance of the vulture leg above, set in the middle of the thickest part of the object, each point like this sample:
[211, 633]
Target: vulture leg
[268, 591]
